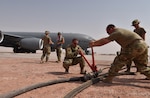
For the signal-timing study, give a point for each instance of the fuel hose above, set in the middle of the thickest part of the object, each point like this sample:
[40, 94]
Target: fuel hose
[85, 85]
[39, 85]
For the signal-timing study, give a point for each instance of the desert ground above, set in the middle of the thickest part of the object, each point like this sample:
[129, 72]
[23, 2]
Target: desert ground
[24, 69]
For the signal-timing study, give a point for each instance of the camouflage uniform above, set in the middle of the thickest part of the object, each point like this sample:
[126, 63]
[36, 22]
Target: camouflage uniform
[59, 47]
[72, 58]
[133, 48]
[141, 32]
[46, 48]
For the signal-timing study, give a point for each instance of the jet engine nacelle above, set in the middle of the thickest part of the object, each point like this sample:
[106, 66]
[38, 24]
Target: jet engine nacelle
[1, 37]
[31, 43]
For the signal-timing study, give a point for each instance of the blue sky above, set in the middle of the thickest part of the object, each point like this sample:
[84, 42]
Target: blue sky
[77, 16]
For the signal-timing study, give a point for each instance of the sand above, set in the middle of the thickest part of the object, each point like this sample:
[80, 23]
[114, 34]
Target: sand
[21, 70]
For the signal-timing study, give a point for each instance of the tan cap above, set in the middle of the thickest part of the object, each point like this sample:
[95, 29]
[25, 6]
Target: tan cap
[134, 22]
[47, 32]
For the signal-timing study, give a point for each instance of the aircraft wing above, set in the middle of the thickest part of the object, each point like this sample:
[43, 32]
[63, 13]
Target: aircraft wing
[9, 40]
[20, 42]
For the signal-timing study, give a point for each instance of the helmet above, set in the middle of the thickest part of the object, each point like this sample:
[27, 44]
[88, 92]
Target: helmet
[134, 22]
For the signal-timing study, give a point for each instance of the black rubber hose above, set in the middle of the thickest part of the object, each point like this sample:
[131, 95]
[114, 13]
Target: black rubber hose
[85, 85]
[39, 85]
[35, 86]
[43, 84]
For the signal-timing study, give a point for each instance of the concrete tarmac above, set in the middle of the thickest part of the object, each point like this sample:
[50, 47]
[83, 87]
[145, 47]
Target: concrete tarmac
[8, 52]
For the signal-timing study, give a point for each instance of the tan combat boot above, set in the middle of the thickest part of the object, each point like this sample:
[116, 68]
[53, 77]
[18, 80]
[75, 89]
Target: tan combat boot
[82, 71]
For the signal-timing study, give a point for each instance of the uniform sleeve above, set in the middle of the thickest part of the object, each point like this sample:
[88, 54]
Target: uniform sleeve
[63, 40]
[113, 36]
[81, 49]
[110, 38]
[50, 39]
[143, 30]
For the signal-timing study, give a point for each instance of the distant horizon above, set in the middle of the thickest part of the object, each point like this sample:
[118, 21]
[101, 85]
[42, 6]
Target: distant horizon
[10, 49]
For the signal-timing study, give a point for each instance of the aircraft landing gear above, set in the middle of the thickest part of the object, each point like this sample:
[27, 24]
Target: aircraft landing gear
[21, 50]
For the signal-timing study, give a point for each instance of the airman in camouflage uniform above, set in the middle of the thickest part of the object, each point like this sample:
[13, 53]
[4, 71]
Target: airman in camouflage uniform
[60, 42]
[46, 46]
[73, 57]
[133, 48]
[141, 32]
